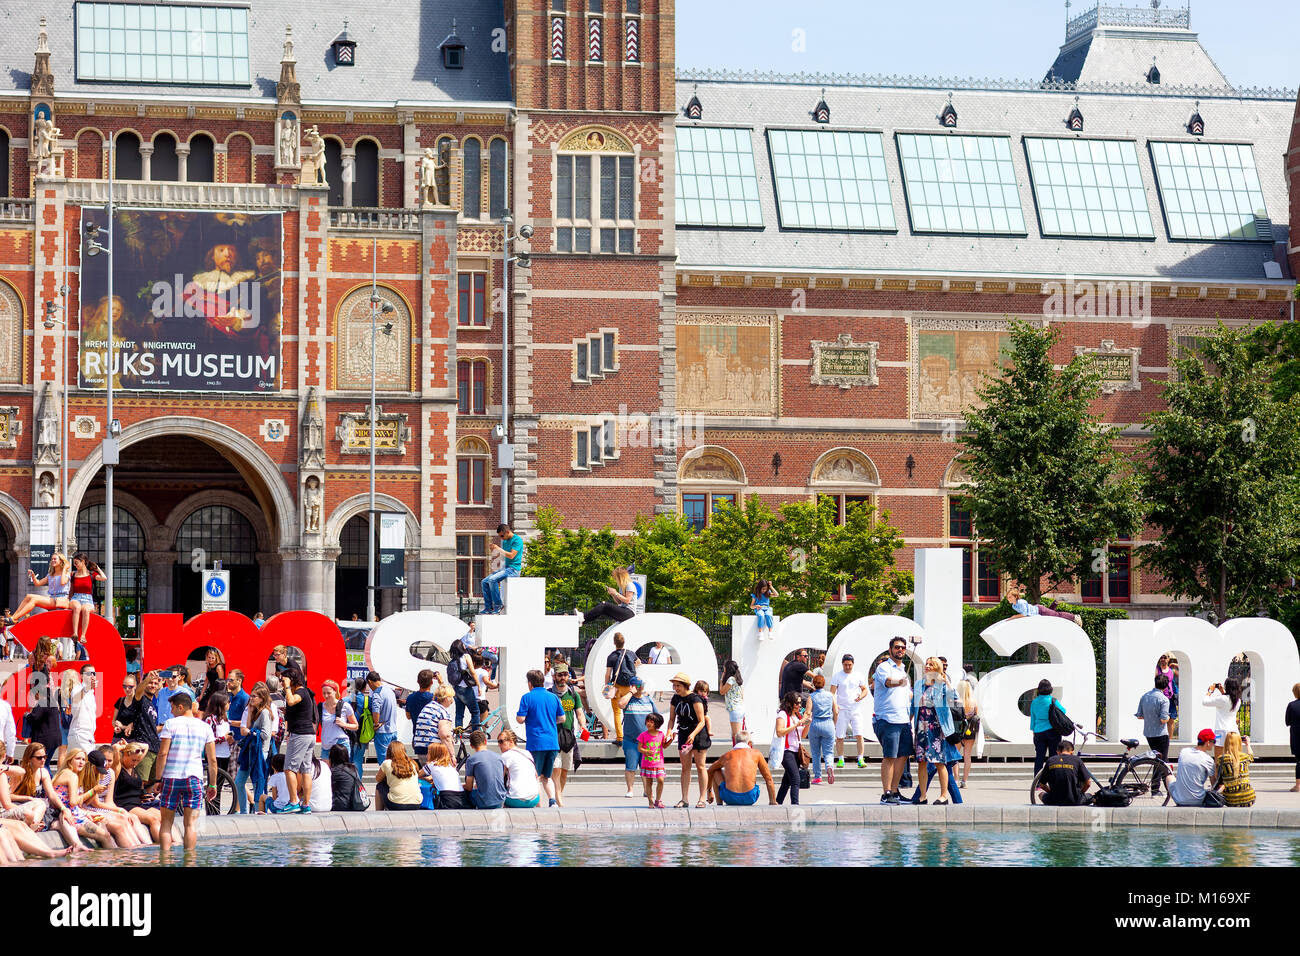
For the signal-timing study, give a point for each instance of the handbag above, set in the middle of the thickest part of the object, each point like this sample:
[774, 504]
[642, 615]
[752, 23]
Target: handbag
[1214, 799]
[567, 739]
[803, 757]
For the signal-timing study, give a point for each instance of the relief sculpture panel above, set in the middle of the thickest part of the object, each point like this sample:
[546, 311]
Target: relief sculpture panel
[727, 364]
[949, 362]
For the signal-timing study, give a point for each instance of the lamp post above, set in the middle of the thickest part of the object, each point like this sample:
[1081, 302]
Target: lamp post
[377, 306]
[110, 447]
[505, 461]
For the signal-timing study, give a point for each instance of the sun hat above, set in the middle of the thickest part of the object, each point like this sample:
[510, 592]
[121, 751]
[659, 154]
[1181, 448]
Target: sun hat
[681, 678]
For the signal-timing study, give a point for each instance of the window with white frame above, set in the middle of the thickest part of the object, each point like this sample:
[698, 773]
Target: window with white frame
[595, 356]
[472, 460]
[595, 445]
[595, 203]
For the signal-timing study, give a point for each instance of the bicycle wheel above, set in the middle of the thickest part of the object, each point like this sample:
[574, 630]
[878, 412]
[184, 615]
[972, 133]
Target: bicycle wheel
[1036, 789]
[223, 801]
[1144, 781]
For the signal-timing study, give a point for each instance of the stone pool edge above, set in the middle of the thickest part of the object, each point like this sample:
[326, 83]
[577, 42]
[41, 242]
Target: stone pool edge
[236, 826]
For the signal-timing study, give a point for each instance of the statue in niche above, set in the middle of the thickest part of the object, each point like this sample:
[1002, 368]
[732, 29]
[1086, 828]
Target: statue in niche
[313, 162]
[432, 165]
[45, 493]
[313, 434]
[47, 144]
[311, 505]
[289, 140]
[46, 450]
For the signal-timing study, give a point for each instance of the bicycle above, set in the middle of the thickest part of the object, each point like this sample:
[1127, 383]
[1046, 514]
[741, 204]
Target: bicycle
[492, 724]
[1142, 778]
[223, 801]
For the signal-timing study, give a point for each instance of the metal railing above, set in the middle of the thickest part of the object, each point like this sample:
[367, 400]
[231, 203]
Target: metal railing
[17, 210]
[364, 219]
[1128, 17]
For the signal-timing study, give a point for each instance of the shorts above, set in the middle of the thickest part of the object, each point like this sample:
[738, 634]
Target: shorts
[631, 756]
[1219, 737]
[850, 720]
[86, 599]
[146, 766]
[732, 799]
[182, 793]
[544, 761]
[653, 773]
[736, 716]
[516, 803]
[298, 753]
[565, 761]
[84, 744]
[895, 739]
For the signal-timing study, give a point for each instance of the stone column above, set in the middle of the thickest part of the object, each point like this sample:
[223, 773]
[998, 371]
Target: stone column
[182, 162]
[309, 579]
[160, 566]
[268, 582]
[349, 173]
[146, 161]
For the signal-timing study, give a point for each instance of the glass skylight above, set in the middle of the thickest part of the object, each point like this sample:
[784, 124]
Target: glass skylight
[1209, 190]
[960, 183]
[830, 179]
[716, 181]
[155, 43]
[1089, 187]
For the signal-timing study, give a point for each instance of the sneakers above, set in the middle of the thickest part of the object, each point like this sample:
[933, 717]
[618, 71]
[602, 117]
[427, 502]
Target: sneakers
[291, 808]
[816, 780]
[830, 775]
[884, 797]
[629, 794]
[862, 764]
[552, 803]
[839, 763]
[305, 808]
[894, 799]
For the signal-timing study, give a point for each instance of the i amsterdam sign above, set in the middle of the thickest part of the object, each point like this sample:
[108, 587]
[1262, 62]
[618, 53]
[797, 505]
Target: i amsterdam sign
[391, 433]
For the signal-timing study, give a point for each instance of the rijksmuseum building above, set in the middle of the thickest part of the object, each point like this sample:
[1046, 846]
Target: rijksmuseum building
[721, 284]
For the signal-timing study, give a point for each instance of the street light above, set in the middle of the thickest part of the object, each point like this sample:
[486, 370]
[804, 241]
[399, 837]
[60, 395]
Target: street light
[377, 307]
[505, 454]
[94, 247]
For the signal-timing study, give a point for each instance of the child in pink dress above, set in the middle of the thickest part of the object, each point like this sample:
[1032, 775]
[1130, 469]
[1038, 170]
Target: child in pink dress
[651, 745]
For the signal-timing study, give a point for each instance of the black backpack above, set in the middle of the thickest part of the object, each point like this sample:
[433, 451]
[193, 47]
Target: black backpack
[1061, 723]
[456, 673]
[1112, 797]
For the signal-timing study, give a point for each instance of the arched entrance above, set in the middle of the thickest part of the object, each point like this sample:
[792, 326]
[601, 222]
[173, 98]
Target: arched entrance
[195, 484]
[6, 559]
[216, 533]
[351, 574]
[130, 570]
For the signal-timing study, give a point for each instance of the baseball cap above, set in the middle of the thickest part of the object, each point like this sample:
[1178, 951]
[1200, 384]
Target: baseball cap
[562, 670]
[637, 682]
[1205, 736]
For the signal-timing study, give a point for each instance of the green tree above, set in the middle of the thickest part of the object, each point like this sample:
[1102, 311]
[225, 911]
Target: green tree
[1220, 478]
[1047, 487]
[720, 564]
[576, 562]
[655, 543]
[865, 554]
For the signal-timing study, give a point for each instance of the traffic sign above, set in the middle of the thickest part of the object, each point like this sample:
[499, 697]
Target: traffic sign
[216, 591]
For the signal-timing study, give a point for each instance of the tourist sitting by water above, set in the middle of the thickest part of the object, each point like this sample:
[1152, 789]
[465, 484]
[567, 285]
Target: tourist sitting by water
[1065, 779]
[523, 789]
[397, 782]
[346, 790]
[733, 777]
[1233, 768]
[485, 774]
[1193, 785]
[128, 789]
[440, 771]
[276, 796]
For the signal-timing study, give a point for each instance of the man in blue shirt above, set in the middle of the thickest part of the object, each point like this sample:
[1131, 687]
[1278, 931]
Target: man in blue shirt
[1153, 708]
[383, 709]
[541, 713]
[512, 549]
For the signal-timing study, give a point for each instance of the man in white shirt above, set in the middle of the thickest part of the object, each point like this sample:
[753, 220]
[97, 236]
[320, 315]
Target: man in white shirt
[849, 688]
[522, 789]
[184, 742]
[81, 730]
[892, 720]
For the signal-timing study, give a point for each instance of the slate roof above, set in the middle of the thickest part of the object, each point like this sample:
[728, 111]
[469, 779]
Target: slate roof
[397, 52]
[1016, 110]
[1124, 56]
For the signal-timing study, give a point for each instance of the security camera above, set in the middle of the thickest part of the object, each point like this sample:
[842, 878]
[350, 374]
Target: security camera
[522, 261]
[499, 430]
[115, 428]
[525, 231]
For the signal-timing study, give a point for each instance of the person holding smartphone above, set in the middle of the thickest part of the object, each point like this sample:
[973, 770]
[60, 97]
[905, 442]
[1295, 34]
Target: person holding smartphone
[891, 720]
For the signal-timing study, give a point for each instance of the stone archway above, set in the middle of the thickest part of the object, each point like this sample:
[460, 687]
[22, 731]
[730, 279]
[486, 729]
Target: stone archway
[387, 602]
[14, 556]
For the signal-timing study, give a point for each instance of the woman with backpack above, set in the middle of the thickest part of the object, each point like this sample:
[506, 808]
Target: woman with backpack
[338, 722]
[464, 683]
[359, 701]
[1047, 732]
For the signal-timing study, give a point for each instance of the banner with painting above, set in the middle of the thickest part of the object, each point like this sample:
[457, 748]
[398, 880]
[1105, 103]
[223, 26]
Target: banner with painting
[196, 301]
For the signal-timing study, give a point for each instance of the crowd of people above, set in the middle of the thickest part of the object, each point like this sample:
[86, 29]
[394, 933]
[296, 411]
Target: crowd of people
[171, 743]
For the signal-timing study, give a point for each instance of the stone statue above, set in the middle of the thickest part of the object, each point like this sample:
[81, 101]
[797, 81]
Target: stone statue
[45, 494]
[433, 164]
[46, 448]
[289, 140]
[47, 144]
[313, 162]
[311, 505]
[312, 454]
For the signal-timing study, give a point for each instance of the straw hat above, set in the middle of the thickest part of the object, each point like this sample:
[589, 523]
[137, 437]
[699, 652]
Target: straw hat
[681, 678]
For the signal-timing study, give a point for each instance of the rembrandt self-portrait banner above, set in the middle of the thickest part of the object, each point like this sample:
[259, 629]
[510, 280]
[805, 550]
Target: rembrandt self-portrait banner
[196, 301]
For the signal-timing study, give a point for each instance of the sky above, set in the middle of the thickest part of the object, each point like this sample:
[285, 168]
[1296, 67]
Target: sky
[1252, 41]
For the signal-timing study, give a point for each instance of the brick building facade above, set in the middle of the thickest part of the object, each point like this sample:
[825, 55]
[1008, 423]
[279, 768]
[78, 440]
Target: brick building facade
[708, 306]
